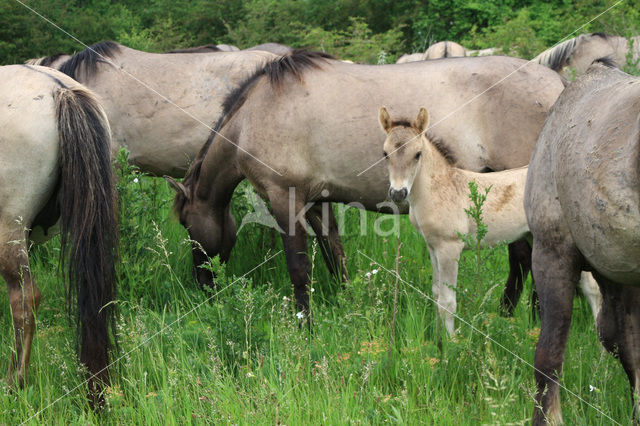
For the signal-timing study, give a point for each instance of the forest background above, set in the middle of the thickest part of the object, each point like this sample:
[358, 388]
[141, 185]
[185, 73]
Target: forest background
[372, 31]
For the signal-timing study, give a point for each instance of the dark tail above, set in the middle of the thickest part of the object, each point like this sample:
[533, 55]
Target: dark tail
[89, 225]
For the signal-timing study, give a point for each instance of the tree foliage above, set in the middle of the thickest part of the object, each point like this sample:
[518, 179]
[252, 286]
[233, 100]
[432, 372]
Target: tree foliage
[361, 30]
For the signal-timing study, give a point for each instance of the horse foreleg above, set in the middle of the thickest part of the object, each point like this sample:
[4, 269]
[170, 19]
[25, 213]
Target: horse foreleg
[519, 267]
[24, 299]
[557, 271]
[294, 238]
[445, 257]
[325, 227]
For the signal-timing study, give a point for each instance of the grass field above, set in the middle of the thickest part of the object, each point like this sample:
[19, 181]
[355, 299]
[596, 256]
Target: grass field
[237, 355]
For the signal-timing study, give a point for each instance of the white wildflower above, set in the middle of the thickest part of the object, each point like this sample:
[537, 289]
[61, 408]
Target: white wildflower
[300, 315]
[135, 180]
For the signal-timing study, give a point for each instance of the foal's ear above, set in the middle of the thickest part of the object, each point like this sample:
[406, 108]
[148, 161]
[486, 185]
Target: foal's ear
[177, 186]
[385, 119]
[422, 121]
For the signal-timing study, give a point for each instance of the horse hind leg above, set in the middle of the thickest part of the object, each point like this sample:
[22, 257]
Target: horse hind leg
[557, 270]
[519, 267]
[324, 225]
[24, 298]
[619, 331]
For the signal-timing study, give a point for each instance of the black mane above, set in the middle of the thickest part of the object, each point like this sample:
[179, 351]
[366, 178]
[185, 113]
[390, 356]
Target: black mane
[46, 62]
[560, 55]
[607, 61]
[89, 58]
[293, 64]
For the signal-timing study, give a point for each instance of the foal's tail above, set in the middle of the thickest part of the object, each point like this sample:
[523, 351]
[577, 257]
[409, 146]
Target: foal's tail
[88, 224]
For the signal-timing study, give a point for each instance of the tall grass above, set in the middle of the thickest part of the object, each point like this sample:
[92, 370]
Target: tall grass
[237, 355]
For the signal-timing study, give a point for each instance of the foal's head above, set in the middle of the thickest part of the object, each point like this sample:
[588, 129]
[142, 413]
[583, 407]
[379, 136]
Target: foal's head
[403, 151]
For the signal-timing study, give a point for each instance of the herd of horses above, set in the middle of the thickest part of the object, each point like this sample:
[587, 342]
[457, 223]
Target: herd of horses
[304, 129]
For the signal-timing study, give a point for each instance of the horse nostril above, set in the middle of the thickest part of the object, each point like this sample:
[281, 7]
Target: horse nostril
[398, 195]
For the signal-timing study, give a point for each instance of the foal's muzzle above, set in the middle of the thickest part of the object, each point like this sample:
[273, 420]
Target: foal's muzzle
[398, 195]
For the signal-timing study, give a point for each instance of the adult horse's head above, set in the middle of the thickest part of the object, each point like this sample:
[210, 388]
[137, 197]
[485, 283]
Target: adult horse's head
[212, 229]
[402, 151]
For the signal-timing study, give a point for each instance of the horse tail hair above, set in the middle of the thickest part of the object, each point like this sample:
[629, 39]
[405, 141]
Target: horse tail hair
[89, 226]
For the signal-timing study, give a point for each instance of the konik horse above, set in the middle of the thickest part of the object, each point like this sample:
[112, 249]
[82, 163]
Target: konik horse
[582, 201]
[422, 172]
[55, 163]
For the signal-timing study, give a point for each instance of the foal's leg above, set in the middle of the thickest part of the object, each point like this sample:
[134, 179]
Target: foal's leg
[325, 227]
[447, 255]
[294, 238]
[24, 297]
[556, 270]
[519, 267]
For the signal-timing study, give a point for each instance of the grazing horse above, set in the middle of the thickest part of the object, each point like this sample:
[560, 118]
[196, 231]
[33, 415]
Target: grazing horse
[422, 172]
[306, 132]
[444, 49]
[55, 163]
[163, 138]
[576, 54]
[583, 206]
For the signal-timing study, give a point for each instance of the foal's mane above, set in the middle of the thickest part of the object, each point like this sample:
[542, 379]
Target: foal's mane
[293, 64]
[89, 58]
[438, 143]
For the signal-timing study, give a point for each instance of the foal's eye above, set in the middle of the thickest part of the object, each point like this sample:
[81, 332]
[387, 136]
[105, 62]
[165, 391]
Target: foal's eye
[385, 155]
[419, 153]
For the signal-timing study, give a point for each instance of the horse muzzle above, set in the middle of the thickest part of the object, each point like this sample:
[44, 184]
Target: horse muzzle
[398, 195]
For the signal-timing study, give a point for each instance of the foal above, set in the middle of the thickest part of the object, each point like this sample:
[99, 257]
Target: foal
[422, 172]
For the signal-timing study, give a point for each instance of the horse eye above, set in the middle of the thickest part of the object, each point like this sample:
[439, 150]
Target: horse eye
[418, 155]
[386, 156]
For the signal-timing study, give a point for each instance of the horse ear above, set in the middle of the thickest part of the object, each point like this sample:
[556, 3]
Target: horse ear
[177, 186]
[385, 119]
[422, 122]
